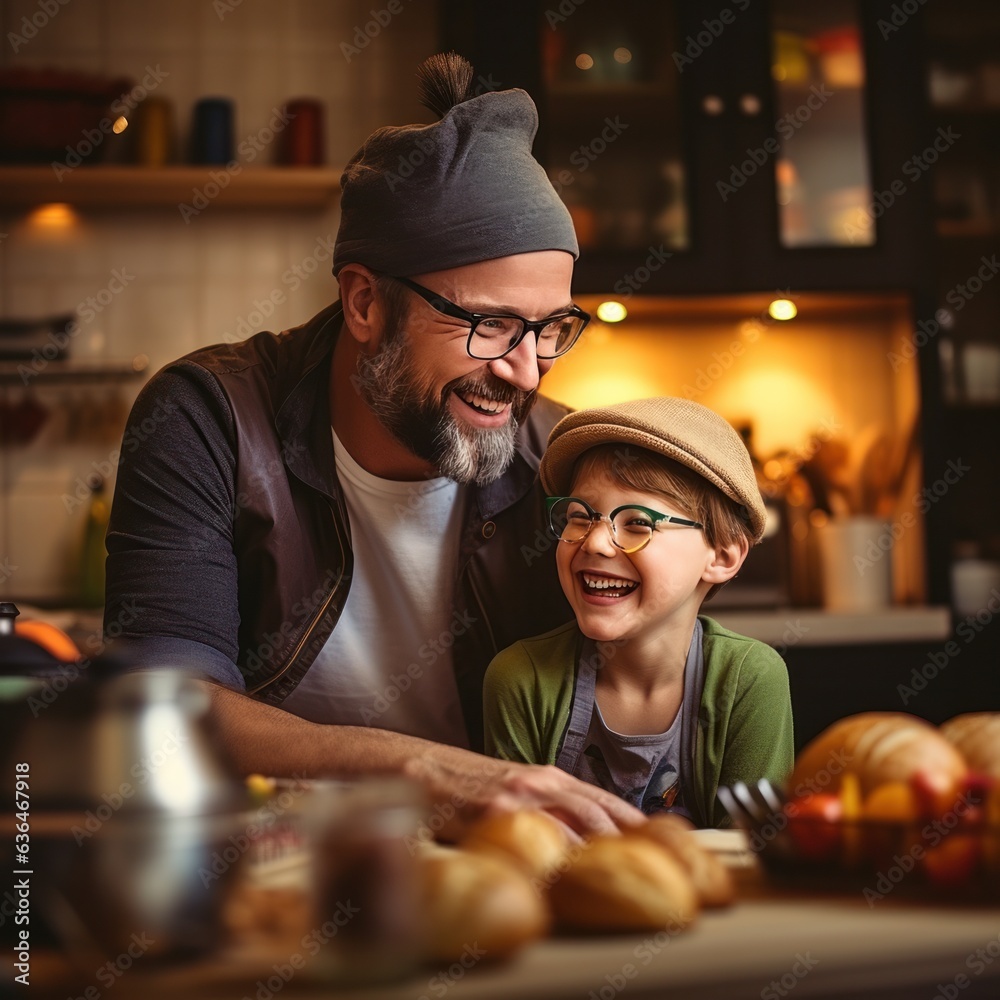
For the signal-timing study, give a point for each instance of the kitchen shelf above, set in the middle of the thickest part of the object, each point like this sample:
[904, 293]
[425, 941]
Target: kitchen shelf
[114, 187]
[22, 372]
[817, 627]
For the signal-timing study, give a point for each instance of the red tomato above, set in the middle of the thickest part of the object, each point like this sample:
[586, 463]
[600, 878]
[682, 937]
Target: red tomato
[951, 863]
[815, 826]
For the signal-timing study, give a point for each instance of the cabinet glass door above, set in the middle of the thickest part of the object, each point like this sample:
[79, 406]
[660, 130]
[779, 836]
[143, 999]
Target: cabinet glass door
[611, 123]
[822, 173]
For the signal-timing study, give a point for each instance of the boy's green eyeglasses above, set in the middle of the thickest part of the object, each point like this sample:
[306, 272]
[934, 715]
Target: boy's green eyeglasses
[631, 526]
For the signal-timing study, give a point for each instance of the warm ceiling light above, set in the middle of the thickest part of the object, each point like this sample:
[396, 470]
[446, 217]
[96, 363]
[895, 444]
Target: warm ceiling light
[622, 55]
[611, 312]
[121, 123]
[782, 309]
[584, 61]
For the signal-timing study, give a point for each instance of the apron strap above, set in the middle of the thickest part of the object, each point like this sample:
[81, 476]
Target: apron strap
[694, 685]
[582, 709]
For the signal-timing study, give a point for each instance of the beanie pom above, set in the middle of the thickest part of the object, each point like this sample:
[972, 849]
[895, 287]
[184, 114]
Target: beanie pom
[444, 79]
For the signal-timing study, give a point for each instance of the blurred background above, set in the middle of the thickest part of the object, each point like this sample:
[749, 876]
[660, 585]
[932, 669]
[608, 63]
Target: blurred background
[788, 212]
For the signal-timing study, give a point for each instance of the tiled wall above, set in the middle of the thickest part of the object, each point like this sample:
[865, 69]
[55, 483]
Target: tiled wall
[188, 284]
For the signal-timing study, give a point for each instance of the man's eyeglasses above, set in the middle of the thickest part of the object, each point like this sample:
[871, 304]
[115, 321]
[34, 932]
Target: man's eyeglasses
[631, 526]
[492, 337]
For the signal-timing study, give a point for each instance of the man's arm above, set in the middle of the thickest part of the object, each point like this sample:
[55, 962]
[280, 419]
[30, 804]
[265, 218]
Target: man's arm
[264, 739]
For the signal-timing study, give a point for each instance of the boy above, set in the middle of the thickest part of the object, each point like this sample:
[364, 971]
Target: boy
[655, 506]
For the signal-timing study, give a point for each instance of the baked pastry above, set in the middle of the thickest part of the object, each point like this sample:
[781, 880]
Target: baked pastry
[473, 900]
[711, 878]
[624, 883]
[530, 838]
[878, 747]
[976, 736]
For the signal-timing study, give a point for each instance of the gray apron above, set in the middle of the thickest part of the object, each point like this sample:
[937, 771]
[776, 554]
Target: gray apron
[583, 707]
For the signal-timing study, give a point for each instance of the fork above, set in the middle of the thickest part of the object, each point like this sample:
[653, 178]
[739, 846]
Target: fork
[751, 806]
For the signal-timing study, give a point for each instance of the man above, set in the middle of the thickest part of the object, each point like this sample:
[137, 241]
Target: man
[341, 525]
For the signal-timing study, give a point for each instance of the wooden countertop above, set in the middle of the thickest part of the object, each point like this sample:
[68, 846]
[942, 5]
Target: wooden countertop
[773, 943]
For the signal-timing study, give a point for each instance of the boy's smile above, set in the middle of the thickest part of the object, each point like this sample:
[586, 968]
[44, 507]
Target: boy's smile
[616, 595]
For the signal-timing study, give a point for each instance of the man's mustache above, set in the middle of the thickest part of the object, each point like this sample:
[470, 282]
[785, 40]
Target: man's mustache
[493, 388]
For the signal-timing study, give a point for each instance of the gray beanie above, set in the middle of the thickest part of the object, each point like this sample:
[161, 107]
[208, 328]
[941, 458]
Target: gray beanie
[419, 198]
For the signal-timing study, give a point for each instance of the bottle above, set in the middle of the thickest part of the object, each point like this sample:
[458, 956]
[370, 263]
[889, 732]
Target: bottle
[94, 551]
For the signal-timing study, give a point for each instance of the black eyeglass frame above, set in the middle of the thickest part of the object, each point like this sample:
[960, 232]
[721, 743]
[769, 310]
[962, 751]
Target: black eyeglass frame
[449, 308]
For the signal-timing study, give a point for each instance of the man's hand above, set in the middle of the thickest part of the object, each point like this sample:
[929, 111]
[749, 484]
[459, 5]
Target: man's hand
[463, 789]
[461, 785]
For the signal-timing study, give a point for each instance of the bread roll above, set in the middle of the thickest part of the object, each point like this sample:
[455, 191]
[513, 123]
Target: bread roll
[532, 839]
[879, 747]
[712, 880]
[624, 884]
[477, 901]
[976, 736]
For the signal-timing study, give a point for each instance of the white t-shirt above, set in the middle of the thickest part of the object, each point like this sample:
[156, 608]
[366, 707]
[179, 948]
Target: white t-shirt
[388, 662]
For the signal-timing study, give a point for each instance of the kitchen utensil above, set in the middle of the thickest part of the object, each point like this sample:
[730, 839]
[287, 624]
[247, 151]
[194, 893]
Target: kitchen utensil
[856, 563]
[870, 470]
[132, 806]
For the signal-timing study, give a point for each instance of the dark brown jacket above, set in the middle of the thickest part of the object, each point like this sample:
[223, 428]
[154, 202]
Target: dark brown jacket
[232, 502]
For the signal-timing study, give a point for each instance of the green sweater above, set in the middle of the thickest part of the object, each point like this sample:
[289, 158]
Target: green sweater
[745, 730]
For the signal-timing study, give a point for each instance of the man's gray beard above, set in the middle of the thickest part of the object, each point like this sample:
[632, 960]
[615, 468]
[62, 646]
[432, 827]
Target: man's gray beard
[464, 454]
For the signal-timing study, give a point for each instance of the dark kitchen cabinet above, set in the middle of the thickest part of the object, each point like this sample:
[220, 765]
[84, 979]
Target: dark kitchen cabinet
[962, 310]
[934, 681]
[722, 147]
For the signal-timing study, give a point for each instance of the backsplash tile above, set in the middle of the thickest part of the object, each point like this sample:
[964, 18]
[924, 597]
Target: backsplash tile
[191, 284]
